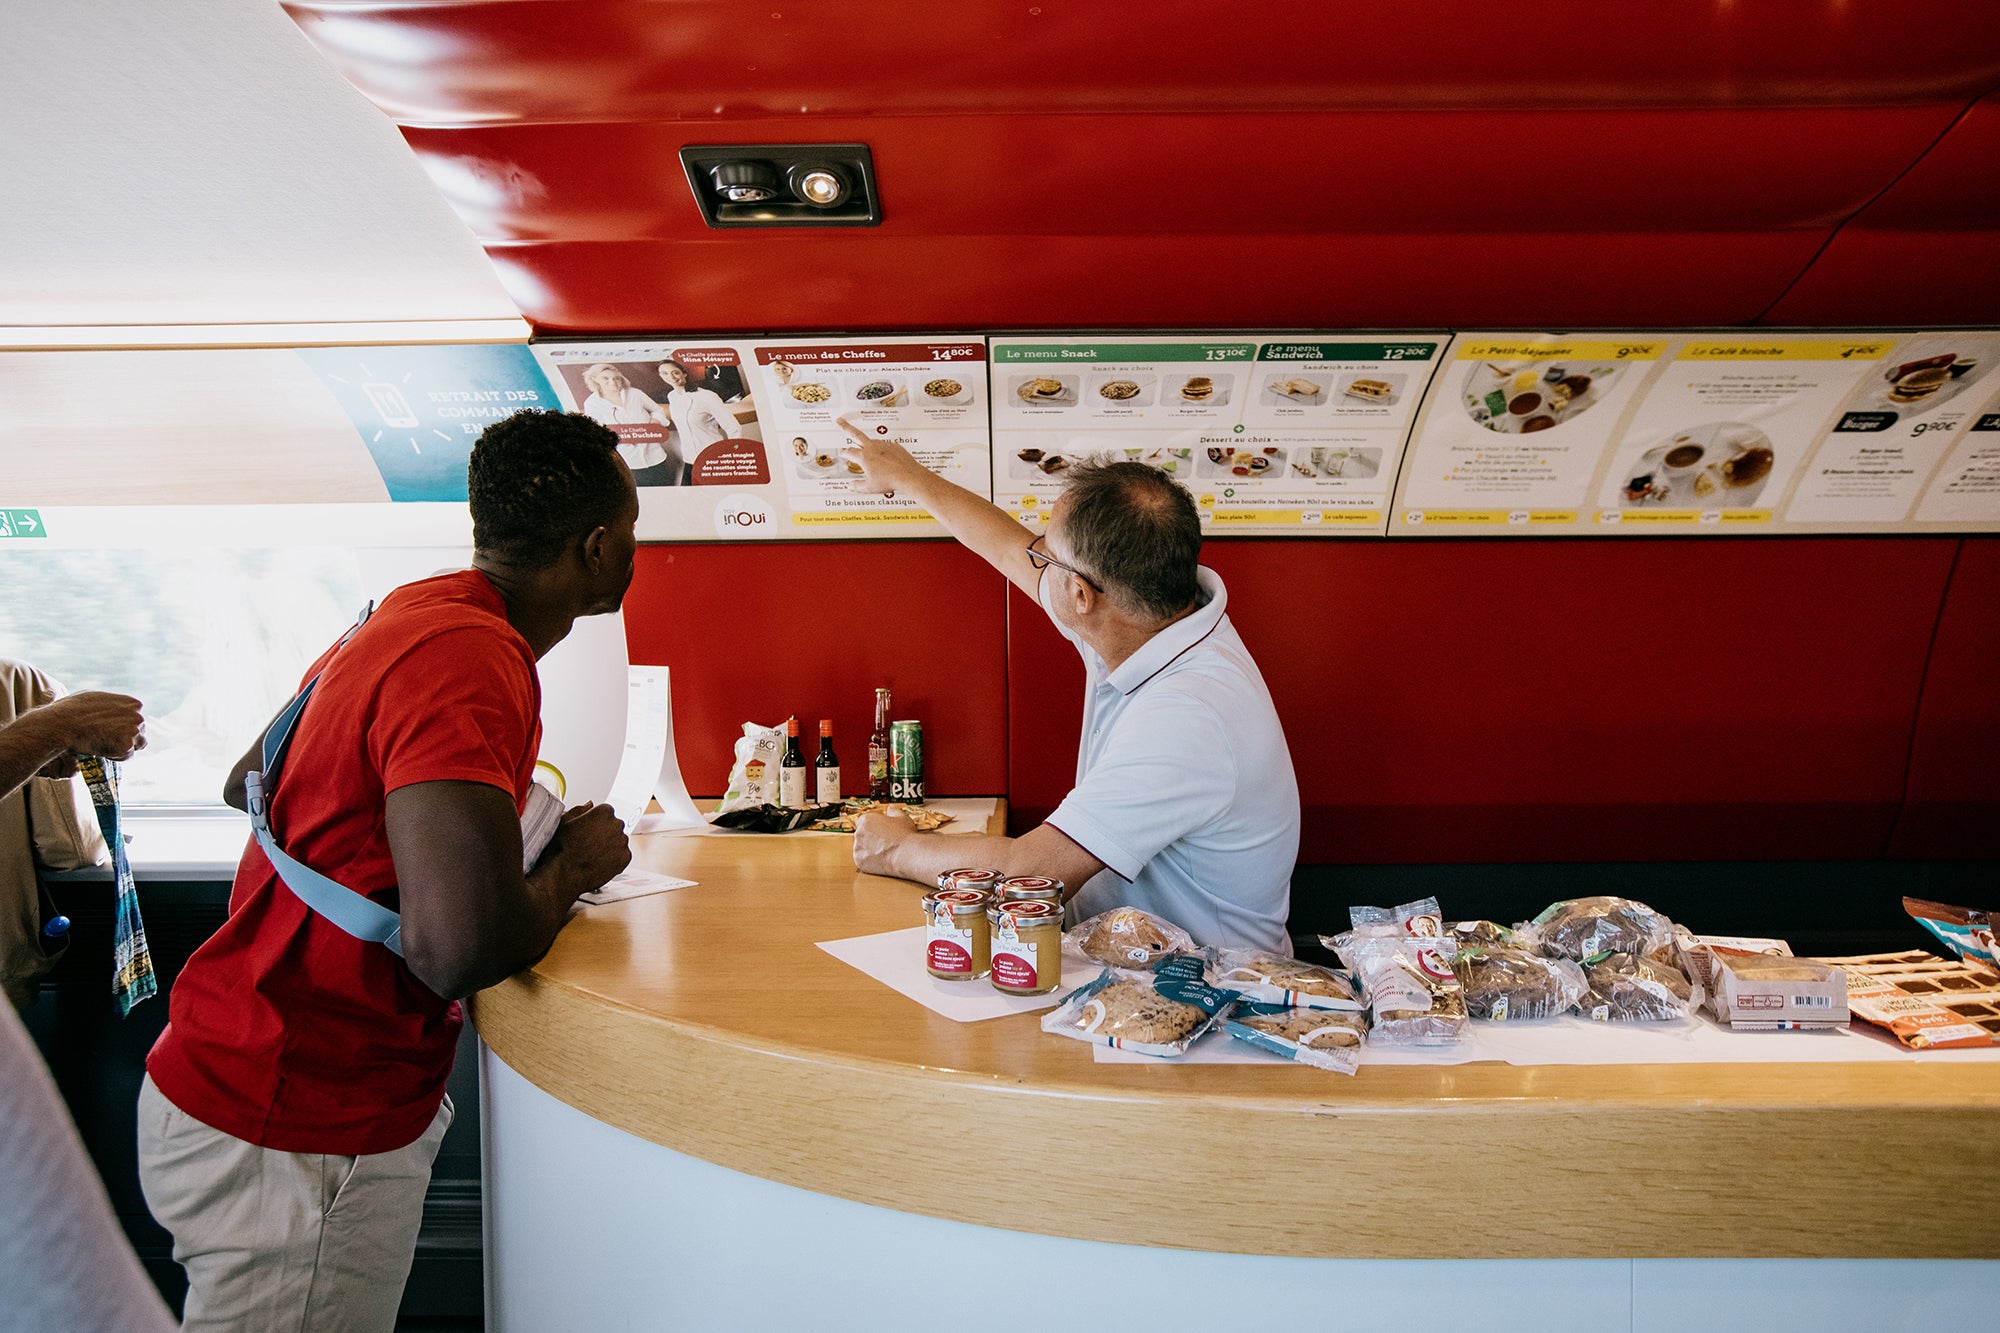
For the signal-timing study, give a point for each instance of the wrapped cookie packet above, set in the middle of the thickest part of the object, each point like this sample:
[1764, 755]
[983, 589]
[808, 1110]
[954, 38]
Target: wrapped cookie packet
[1403, 959]
[1579, 927]
[1161, 1011]
[1322, 1038]
[1274, 979]
[1127, 937]
[1629, 988]
[1503, 985]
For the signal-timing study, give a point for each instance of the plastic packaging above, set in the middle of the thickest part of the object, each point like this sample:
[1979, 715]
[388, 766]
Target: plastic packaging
[1273, 979]
[1513, 985]
[1413, 997]
[1967, 931]
[1579, 927]
[1316, 1037]
[1625, 988]
[753, 778]
[1128, 937]
[1158, 1012]
[1421, 917]
[1469, 933]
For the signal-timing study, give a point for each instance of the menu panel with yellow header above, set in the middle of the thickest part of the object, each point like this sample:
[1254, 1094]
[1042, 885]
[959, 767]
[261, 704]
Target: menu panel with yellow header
[740, 439]
[1275, 435]
[1733, 431]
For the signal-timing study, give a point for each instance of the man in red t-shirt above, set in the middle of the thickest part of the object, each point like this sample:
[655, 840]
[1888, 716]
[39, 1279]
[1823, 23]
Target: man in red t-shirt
[294, 1104]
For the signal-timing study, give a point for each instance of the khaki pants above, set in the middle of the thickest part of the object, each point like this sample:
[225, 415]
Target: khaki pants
[277, 1242]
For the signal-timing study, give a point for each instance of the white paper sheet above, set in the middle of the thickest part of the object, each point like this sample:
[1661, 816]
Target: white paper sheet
[635, 883]
[896, 959]
[969, 815]
[1578, 1041]
[650, 769]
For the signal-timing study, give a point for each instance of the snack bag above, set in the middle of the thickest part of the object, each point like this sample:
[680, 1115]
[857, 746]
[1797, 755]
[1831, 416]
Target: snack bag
[1128, 937]
[1414, 998]
[1158, 1012]
[1421, 917]
[1502, 984]
[1273, 979]
[1626, 988]
[1968, 931]
[1469, 933]
[1580, 927]
[1316, 1037]
[753, 779]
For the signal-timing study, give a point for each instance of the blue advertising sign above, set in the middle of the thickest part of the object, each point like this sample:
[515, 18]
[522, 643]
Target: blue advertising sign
[418, 409]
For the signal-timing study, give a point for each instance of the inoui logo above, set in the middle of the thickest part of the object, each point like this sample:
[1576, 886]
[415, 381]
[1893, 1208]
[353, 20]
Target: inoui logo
[744, 516]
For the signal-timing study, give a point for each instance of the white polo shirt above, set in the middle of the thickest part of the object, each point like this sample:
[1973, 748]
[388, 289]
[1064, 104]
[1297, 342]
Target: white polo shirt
[1184, 785]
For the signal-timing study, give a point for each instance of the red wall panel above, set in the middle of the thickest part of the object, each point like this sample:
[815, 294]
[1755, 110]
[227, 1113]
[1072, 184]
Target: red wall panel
[1463, 701]
[1953, 804]
[753, 633]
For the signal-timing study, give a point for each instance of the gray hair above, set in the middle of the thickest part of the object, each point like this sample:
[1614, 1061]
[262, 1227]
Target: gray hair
[1136, 530]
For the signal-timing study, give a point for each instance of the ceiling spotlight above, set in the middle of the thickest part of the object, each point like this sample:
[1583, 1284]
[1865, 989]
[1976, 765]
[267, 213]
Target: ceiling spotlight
[745, 182]
[820, 186]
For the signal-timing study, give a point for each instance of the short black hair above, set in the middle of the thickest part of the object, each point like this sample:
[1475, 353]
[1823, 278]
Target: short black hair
[1136, 530]
[538, 481]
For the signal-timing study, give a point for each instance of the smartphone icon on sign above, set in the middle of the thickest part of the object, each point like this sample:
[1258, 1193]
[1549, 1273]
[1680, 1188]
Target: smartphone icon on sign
[389, 401]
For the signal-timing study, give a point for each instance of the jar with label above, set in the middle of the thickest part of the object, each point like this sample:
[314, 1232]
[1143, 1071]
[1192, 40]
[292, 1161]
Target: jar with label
[970, 877]
[1026, 946]
[957, 937]
[1039, 887]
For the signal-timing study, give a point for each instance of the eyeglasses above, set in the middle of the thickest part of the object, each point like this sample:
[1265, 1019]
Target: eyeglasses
[1041, 560]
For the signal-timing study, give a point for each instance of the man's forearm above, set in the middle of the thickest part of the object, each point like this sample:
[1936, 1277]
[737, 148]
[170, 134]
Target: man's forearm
[25, 747]
[979, 525]
[924, 856]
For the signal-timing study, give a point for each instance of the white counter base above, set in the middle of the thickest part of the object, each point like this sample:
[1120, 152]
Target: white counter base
[591, 1229]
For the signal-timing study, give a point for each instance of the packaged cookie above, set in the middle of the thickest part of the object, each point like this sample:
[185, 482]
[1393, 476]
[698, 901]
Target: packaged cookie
[1469, 933]
[1626, 988]
[1270, 978]
[1414, 998]
[1503, 984]
[1322, 1038]
[1421, 917]
[1157, 1012]
[1580, 927]
[1128, 937]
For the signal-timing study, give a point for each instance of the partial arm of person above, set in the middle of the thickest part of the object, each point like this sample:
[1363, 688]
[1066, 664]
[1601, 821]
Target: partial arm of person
[651, 406]
[885, 843]
[471, 919]
[980, 525]
[710, 402]
[44, 741]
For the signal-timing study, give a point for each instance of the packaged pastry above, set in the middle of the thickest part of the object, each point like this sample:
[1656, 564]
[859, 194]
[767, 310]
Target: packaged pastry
[1421, 917]
[1580, 927]
[1480, 933]
[1925, 1002]
[753, 778]
[1502, 984]
[1157, 1012]
[1273, 979]
[1128, 937]
[1322, 1038]
[1767, 992]
[1414, 998]
[1627, 988]
[1967, 931]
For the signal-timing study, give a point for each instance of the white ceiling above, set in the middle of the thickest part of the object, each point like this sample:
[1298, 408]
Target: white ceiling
[195, 162]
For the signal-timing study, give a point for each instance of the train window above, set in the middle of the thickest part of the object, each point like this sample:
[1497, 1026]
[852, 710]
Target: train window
[213, 641]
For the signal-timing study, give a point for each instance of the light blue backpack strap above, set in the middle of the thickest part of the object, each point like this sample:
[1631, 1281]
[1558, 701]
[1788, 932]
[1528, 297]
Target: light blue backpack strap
[353, 912]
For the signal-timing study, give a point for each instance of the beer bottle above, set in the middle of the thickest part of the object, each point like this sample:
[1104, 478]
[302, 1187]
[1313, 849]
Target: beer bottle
[826, 769]
[878, 749]
[792, 768]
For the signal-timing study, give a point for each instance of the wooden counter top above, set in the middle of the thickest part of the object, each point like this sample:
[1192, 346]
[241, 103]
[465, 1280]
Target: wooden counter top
[706, 1020]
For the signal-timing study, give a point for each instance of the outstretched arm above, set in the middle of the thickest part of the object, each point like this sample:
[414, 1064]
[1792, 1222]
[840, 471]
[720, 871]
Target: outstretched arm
[885, 843]
[45, 740]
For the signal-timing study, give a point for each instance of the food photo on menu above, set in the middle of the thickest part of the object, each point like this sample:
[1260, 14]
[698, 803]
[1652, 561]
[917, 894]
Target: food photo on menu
[1922, 374]
[1717, 465]
[1051, 453]
[1524, 397]
[1321, 462]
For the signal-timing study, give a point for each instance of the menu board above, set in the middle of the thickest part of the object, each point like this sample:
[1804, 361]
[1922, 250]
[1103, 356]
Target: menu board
[740, 439]
[1273, 434]
[1732, 431]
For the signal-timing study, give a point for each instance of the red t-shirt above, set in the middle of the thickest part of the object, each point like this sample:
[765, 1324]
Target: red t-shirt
[284, 1030]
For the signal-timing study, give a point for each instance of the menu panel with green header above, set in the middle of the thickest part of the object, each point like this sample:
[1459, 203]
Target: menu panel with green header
[1273, 434]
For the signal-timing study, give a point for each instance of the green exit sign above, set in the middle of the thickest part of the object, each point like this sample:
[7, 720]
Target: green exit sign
[21, 523]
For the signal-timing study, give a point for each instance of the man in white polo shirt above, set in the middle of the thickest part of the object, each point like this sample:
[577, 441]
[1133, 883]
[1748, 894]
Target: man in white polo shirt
[1185, 803]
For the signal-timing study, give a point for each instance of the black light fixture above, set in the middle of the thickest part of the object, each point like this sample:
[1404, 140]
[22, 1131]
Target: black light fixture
[784, 185]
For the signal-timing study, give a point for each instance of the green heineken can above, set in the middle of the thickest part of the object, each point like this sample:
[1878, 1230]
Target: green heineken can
[906, 762]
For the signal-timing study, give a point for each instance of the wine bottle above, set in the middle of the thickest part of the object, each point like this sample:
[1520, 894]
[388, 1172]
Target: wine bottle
[792, 768]
[826, 769]
[878, 749]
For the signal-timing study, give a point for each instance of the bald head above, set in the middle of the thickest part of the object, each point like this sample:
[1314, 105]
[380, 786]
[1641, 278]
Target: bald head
[1136, 530]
